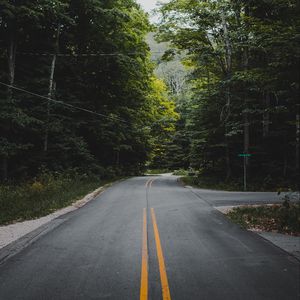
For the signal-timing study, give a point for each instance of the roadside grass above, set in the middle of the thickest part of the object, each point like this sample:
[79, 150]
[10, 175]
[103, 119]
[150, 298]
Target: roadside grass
[208, 181]
[283, 218]
[43, 196]
[180, 172]
[157, 171]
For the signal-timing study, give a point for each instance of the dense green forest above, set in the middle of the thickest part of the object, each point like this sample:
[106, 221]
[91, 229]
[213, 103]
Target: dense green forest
[241, 93]
[80, 89]
[77, 89]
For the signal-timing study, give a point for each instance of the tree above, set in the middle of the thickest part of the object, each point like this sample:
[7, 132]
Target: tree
[90, 60]
[244, 82]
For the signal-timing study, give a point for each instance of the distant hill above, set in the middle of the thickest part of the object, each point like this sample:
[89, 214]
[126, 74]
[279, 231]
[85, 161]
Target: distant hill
[157, 49]
[172, 72]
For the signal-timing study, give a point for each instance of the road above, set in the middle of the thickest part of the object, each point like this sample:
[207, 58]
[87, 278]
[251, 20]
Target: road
[150, 238]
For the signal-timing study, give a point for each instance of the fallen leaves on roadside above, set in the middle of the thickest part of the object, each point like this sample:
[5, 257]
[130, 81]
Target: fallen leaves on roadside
[271, 218]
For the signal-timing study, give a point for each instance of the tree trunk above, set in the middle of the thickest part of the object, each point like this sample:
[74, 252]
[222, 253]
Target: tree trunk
[228, 60]
[228, 47]
[4, 168]
[11, 62]
[11, 80]
[228, 162]
[285, 156]
[297, 138]
[246, 114]
[118, 157]
[266, 116]
[50, 94]
[51, 88]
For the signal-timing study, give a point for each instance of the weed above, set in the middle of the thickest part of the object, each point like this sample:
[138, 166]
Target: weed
[44, 195]
[281, 218]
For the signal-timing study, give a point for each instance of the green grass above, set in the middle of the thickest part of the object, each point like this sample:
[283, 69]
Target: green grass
[180, 172]
[43, 196]
[157, 171]
[205, 182]
[278, 218]
[218, 183]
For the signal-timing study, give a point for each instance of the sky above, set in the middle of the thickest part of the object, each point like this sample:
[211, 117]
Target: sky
[148, 5]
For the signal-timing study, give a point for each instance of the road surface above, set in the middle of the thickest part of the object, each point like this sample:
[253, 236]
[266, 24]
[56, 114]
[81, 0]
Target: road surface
[150, 238]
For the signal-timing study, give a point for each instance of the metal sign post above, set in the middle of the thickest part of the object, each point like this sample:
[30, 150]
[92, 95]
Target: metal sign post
[245, 156]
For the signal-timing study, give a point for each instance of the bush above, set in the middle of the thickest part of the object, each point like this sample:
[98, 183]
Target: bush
[157, 171]
[180, 172]
[281, 218]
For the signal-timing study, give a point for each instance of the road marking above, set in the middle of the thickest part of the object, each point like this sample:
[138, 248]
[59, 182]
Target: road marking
[162, 268]
[144, 272]
[149, 182]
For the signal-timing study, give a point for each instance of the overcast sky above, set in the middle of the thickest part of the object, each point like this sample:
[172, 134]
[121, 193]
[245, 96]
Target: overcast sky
[148, 5]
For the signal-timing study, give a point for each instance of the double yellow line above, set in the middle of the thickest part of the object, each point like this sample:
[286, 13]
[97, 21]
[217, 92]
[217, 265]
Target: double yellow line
[149, 183]
[144, 274]
[161, 262]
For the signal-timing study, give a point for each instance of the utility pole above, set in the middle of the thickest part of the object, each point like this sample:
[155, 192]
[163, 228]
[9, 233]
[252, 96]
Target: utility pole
[245, 160]
[245, 173]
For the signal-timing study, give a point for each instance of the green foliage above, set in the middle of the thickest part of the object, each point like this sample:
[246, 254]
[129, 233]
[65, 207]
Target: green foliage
[43, 195]
[180, 172]
[244, 60]
[157, 171]
[68, 39]
[210, 179]
[213, 183]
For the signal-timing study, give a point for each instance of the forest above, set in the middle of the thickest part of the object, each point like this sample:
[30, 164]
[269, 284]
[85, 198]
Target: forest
[77, 89]
[81, 92]
[239, 101]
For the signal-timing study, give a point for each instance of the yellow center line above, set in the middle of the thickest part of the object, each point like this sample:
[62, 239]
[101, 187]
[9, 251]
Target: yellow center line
[144, 273]
[162, 268]
[150, 184]
[147, 182]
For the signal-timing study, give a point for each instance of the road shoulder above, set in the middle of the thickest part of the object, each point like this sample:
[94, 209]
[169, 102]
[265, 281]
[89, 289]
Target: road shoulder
[13, 232]
[288, 243]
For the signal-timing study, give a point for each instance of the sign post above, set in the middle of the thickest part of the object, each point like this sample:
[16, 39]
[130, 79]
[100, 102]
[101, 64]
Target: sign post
[245, 156]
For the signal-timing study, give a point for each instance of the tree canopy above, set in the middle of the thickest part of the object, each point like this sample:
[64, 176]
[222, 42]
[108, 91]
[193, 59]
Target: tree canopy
[77, 88]
[244, 85]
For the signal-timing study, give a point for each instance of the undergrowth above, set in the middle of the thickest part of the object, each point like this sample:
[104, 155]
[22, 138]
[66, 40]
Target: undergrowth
[43, 195]
[279, 218]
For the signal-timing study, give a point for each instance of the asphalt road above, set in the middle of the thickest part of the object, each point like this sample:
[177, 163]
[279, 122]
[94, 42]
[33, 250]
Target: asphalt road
[150, 238]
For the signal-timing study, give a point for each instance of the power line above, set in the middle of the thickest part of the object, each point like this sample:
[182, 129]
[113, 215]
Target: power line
[64, 104]
[86, 54]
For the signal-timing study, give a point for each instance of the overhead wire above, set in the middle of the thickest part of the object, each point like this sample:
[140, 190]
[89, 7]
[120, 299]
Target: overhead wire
[64, 103]
[86, 54]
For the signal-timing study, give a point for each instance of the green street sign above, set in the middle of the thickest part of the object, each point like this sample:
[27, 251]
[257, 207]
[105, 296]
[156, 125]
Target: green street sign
[245, 155]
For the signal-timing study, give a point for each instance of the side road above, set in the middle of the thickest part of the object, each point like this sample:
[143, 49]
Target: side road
[226, 201]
